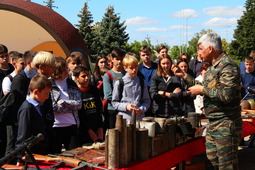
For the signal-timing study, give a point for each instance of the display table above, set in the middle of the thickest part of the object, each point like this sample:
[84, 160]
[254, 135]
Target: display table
[248, 127]
[172, 157]
[181, 153]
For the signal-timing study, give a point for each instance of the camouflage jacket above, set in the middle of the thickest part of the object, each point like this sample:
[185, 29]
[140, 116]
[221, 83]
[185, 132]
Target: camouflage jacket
[222, 90]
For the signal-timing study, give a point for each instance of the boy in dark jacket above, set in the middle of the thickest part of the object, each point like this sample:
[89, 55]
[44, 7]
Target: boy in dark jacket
[31, 119]
[5, 69]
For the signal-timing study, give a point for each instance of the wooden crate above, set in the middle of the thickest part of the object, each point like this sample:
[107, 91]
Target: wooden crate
[158, 144]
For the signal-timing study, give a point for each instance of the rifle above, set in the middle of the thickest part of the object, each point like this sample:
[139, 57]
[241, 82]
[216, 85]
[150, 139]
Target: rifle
[25, 146]
[11, 167]
[75, 163]
[65, 160]
[249, 91]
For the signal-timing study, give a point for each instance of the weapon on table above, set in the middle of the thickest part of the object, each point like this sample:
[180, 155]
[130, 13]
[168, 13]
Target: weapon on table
[24, 147]
[75, 163]
[87, 164]
[60, 160]
[11, 167]
[249, 91]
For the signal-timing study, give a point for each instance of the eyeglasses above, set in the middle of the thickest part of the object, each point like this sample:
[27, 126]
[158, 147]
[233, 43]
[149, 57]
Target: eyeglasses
[4, 55]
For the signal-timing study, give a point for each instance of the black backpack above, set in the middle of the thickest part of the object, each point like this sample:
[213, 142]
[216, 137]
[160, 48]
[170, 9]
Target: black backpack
[6, 107]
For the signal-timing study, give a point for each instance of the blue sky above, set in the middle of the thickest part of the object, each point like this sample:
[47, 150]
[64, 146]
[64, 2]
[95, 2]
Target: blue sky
[163, 21]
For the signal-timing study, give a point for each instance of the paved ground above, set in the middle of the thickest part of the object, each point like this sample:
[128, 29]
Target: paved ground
[246, 159]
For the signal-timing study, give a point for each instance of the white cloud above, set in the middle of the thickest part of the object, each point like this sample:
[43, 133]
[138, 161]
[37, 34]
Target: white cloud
[220, 22]
[163, 39]
[156, 29]
[139, 21]
[177, 27]
[185, 13]
[152, 29]
[223, 11]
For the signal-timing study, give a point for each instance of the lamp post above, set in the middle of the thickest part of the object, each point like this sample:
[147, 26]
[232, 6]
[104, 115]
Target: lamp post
[187, 18]
[227, 31]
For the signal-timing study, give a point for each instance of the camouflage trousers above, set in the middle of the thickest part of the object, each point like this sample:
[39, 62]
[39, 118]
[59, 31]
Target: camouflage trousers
[222, 140]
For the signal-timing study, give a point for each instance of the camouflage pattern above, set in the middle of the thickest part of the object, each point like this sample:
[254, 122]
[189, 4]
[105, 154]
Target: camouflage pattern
[222, 90]
[222, 140]
[222, 95]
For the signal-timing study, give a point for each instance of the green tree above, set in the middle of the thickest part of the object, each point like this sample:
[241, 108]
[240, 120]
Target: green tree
[226, 46]
[135, 46]
[244, 34]
[175, 52]
[49, 4]
[192, 50]
[87, 30]
[112, 32]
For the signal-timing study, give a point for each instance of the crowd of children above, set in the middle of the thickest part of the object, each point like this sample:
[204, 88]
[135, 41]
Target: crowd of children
[62, 100]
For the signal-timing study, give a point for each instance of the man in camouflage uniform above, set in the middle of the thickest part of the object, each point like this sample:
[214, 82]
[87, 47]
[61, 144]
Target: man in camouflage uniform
[222, 95]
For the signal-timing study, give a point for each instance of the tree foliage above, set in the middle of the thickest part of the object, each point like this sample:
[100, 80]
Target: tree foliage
[135, 46]
[175, 52]
[225, 46]
[244, 34]
[111, 32]
[49, 4]
[103, 36]
[192, 50]
[86, 30]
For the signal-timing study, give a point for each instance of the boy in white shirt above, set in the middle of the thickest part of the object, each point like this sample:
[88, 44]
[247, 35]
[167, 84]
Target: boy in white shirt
[19, 65]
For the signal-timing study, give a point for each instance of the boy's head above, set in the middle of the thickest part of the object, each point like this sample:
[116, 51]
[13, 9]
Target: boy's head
[130, 64]
[145, 54]
[82, 76]
[44, 63]
[11, 54]
[73, 60]
[249, 64]
[40, 87]
[117, 57]
[162, 50]
[3, 49]
[252, 54]
[4, 57]
[18, 62]
[28, 57]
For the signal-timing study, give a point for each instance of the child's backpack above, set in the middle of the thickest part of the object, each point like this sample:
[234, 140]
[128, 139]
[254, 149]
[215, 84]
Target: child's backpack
[122, 85]
[7, 106]
[105, 101]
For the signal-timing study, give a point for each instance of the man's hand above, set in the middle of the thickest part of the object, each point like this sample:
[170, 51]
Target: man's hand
[196, 90]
